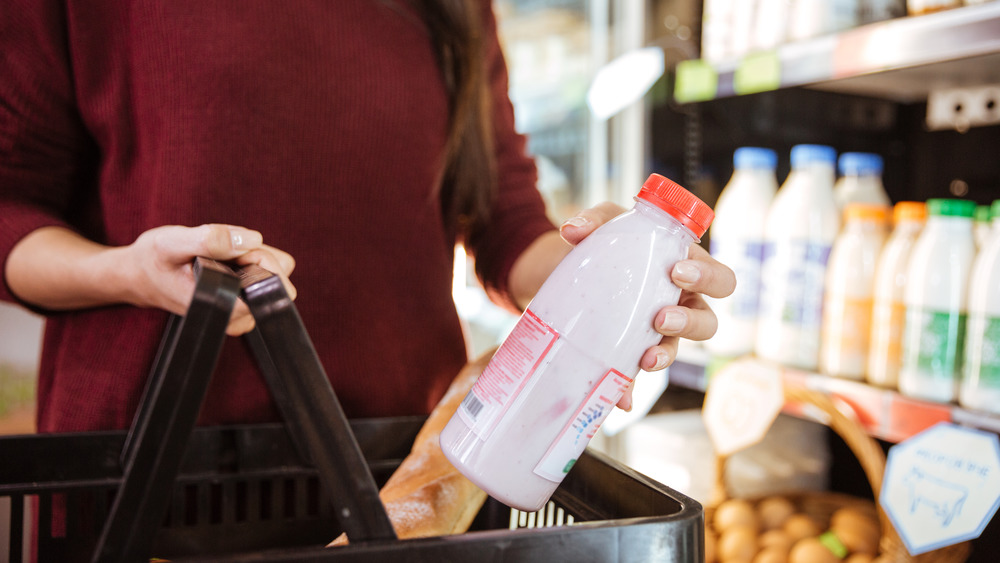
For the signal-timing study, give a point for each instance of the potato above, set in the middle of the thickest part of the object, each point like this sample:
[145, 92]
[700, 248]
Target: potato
[776, 539]
[771, 555]
[811, 550]
[735, 512]
[773, 511]
[799, 526]
[738, 543]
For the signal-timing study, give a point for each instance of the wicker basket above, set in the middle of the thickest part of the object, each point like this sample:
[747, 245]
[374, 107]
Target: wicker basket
[821, 505]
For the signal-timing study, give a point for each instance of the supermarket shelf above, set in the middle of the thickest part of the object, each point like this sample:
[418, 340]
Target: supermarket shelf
[885, 414]
[901, 59]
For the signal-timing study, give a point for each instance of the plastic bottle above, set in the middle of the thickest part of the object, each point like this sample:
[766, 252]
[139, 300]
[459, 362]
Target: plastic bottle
[850, 282]
[860, 180]
[980, 388]
[919, 7]
[801, 226]
[981, 225]
[936, 297]
[871, 11]
[574, 351]
[737, 240]
[888, 312]
[813, 18]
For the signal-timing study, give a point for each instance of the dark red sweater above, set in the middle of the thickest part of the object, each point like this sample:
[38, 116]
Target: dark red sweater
[318, 122]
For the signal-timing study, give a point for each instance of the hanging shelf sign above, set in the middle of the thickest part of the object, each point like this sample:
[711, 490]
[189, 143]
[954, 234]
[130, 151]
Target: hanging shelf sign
[942, 486]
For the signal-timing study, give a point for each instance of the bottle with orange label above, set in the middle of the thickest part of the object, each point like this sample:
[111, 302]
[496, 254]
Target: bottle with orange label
[847, 300]
[888, 311]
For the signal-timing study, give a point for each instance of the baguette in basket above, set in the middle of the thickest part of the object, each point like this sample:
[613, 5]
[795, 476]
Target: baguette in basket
[426, 496]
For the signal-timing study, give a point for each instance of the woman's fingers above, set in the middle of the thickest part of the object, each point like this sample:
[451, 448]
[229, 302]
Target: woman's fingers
[577, 228]
[700, 273]
[216, 241]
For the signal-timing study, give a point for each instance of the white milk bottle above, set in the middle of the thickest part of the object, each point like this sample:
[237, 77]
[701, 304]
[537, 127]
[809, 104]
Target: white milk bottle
[850, 281]
[935, 298]
[981, 225]
[980, 387]
[888, 311]
[802, 223]
[737, 240]
[860, 179]
[574, 351]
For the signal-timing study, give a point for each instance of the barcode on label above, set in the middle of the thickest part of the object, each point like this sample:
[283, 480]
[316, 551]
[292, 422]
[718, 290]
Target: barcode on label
[472, 405]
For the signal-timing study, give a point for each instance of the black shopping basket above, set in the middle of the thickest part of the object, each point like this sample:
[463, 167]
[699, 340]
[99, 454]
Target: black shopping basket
[281, 492]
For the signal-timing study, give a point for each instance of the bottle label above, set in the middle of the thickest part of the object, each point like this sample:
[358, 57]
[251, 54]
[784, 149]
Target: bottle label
[792, 282]
[933, 342]
[744, 257]
[887, 332]
[986, 333]
[510, 369]
[850, 331]
[587, 419]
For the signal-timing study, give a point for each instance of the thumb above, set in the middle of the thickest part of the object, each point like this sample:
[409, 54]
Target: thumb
[215, 241]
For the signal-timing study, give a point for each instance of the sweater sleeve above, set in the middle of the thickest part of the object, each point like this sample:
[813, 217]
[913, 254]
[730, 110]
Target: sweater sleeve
[43, 143]
[518, 216]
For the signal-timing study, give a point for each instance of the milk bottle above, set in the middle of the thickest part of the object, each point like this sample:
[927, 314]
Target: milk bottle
[980, 387]
[860, 179]
[888, 311]
[801, 225]
[936, 296]
[737, 240]
[850, 280]
[981, 225]
[574, 351]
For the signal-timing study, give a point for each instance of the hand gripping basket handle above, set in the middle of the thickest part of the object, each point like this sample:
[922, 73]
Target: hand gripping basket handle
[307, 402]
[872, 461]
[154, 447]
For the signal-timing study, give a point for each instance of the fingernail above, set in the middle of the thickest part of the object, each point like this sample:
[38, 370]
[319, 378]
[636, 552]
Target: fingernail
[626, 403]
[686, 272]
[576, 221]
[673, 321]
[662, 361]
[244, 238]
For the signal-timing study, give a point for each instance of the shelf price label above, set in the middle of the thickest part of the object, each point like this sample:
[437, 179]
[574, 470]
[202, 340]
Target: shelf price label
[758, 72]
[697, 81]
[741, 403]
[942, 486]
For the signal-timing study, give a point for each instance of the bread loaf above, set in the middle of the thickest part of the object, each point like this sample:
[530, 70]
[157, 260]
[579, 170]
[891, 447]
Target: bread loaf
[426, 496]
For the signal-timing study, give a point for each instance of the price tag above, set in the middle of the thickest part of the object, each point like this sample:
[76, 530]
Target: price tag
[758, 72]
[741, 403]
[942, 486]
[697, 81]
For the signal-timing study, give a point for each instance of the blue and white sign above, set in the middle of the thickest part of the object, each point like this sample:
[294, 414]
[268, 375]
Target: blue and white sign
[942, 486]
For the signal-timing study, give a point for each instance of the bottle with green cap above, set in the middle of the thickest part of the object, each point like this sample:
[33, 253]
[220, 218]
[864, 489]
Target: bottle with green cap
[936, 300]
[980, 387]
[981, 225]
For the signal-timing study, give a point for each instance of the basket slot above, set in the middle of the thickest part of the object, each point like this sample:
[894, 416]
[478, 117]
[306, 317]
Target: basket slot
[549, 516]
[14, 506]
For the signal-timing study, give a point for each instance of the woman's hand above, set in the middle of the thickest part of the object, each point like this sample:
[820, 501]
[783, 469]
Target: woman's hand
[57, 269]
[163, 265]
[691, 318]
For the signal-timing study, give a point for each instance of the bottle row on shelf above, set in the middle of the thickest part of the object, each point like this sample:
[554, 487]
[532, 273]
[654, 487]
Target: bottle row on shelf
[834, 280]
[733, 28]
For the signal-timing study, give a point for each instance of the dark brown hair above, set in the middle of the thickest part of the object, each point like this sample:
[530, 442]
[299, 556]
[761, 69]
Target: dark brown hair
[468, 178]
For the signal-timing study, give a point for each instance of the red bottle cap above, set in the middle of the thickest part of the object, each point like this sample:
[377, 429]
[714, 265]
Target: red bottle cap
[681, 204]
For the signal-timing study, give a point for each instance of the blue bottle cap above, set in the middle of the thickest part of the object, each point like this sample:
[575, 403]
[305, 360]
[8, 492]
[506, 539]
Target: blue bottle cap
[755, 157]
[860, 164]
[808, 154]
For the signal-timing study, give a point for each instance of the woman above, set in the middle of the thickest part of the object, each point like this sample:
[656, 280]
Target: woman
[362, 138]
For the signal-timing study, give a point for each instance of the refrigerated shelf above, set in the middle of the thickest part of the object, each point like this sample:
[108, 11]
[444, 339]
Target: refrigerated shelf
[884, 413]
[901, 59]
